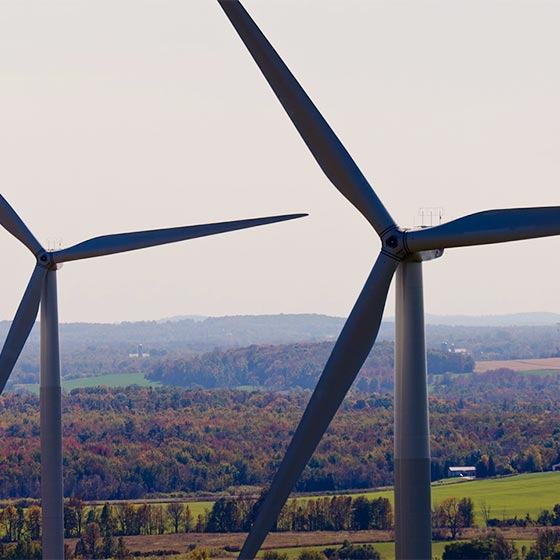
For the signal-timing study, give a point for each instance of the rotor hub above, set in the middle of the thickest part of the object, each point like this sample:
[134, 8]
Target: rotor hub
[45, 260]
[392, 243]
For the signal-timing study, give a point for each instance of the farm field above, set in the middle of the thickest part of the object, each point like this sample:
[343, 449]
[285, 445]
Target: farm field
[505, 497]
[276, 541]
[508, 496]
[110, 380]
[291, 544]
[550, 365]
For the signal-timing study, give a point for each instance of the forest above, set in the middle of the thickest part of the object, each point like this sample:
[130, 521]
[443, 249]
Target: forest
[291, 366]
[131, 443]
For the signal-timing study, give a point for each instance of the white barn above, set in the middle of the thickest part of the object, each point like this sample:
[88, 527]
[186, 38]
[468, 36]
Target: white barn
[462, 472]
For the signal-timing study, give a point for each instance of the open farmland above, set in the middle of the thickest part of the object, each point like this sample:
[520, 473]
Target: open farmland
[292, 544]
[506, 497]
[536, 364]
[109, 380]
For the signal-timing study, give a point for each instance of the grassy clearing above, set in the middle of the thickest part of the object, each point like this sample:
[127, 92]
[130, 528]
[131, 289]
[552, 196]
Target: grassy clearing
[110, 380]
[506, 497]
[199, 508]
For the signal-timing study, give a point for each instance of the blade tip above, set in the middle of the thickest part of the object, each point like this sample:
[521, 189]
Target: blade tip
[296, 216]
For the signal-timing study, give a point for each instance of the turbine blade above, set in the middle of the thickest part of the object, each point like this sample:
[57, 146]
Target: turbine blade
[22, 324]
[121, 242]
[323, 143]
[491, 226]
[348, 355]
[14, 224]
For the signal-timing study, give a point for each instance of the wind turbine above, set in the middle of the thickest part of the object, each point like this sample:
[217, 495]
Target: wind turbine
[402, 252]
[41, 289]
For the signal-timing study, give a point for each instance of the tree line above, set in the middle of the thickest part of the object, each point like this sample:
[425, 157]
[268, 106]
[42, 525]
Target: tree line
[336, 513]
[99, 530]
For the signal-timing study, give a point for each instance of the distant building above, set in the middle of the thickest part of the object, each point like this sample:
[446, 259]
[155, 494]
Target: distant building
[140, 353]
[462, 472]
[450, 348]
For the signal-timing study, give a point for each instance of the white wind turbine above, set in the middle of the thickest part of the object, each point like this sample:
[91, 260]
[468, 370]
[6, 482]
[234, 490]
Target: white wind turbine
[402, 252]
[41, 289]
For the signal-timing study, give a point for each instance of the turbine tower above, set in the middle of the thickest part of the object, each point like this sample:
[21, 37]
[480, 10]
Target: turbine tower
[402, 252]
[41, 290]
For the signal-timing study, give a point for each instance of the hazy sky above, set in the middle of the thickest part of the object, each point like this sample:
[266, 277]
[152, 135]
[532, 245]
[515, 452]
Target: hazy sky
[126, 115]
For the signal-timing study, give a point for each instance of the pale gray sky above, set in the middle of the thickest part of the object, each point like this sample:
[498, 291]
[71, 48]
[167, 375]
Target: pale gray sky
[126, 115]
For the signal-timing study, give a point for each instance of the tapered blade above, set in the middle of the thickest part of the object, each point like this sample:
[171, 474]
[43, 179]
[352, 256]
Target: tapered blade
[326, 148]
[491, 226]
[14, 224]
[348, 355]
[22, 324]
[121, 242]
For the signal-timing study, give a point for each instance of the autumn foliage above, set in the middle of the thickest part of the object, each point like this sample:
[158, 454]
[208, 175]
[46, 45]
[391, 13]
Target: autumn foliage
[132, 443]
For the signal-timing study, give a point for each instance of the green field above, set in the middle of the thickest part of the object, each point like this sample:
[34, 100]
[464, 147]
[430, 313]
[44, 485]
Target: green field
[112, 380]
[506, 497]
[509, 496]
[198, 508]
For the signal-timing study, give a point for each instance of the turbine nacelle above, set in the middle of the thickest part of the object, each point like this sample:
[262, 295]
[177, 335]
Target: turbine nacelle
[423, 256]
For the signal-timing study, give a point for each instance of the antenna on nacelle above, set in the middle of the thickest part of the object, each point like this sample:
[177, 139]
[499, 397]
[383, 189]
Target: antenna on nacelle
[54, 244]
[430, 215]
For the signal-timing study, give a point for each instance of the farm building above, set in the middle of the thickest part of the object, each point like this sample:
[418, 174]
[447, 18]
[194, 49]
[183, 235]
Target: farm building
[462, 472]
